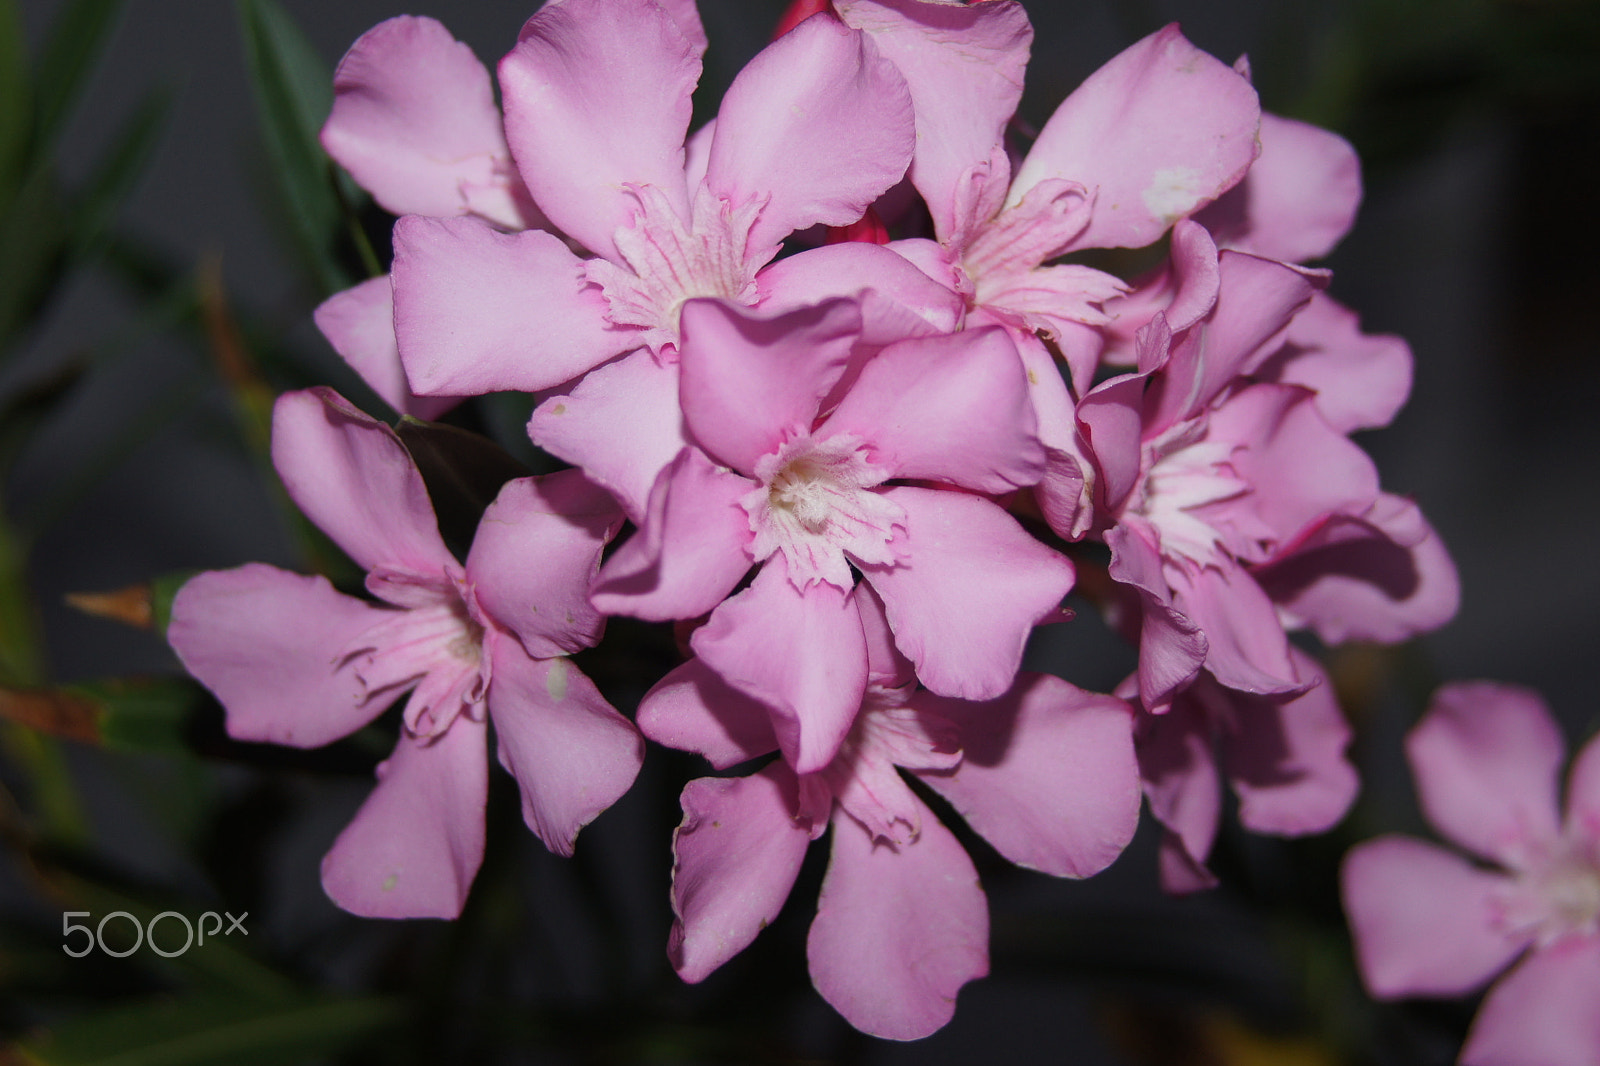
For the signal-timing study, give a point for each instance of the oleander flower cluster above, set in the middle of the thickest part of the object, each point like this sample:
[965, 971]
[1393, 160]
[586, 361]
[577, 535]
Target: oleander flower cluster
[836, 363]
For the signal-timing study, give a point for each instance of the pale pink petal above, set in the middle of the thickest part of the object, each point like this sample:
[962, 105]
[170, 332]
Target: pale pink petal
[1181, 781]
[1361, 379]
[1298, 200]
[1047, 774]
[1172, 649]
[1246, 646]
[1155, 134]
[802, 653]
[687, 17]
[414, 120]
[535, 553]
[899, 929]
[1184, 289]
[581, 427]
[1113, 431]
[752, 380]
[359, 323]
[1299, 468]
[818, 122]
[572, 754]
[818, 274]
[352, 477]
[596, 97]
[1286, 758]
[910, 395]
[886, 666]
[478, 311]
[415, 845]
[693, 709]
[735, 858]
[1423, 919]
[691, 549]
[267, 642]
[1546, 1012]
[964, 68]
[974, 586]
[1485, 759]
[1047, 388]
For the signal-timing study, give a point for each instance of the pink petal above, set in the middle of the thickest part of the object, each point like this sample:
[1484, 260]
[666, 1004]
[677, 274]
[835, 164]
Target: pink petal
[1583, 795]
[819, 122]
[818, 274]
[974, 586]
[1246, 645]
[1185, 791]
[1423, 919]
[800, 652]
[964, 68]
[1172, 649]
[352, 477]
[735, 859]
[910, 395]
[1157, 133]
[478, 311]
[536, 551]
[267, 643]
[581, 427]
[1047, 774]
[414, 121]
[886, 666]
[1361, 379]
[1286, 758]
[1184, 289]
[1485, 758]
[1299, 199]
[752, 380]
[690, 550]
[693, 709]
[416, 843]
[1113, 430]
[572, 754]
[359, 323]
[899, 929]
[1546, 1012]
[1047, 388]
[596, 97]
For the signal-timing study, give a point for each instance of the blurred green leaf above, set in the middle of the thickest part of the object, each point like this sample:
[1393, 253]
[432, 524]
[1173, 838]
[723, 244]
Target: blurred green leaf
[118, 170]
[16, 100]
[20, 656]
[77, 37]
[208, 1028]
[31, 246]
[294, 93]
[129, 714]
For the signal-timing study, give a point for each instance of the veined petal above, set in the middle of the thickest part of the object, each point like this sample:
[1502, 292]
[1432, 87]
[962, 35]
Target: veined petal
[802, 653]
[266, 643]
[478, 311]
[1485, 759]
[899, 929]
[735, 858]
[1155, 134]
[819, 123]
[416, 844]
[1047, 774]
[359, 323]
[972, 589]
[535, 553]
[353, 478]
[1424, 920]
[572, 754]
[908, 398]
[596, 97]
[835, 270]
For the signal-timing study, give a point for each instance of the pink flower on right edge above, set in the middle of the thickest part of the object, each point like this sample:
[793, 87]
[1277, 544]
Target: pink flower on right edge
[1428, 922]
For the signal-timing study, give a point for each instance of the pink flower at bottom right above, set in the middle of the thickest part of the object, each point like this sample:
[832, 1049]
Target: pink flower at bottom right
[1427, 921]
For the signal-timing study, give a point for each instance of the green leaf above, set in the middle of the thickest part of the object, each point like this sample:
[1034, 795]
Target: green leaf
[294, 93]
[16, 101]
[77, 37]
[207, 1028]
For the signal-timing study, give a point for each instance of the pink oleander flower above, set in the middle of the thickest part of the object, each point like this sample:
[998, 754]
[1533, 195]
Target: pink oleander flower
[1231, 506]
[1429, 922]
[1044, 772]
[596, 96]
[812, 459]
[293, 661]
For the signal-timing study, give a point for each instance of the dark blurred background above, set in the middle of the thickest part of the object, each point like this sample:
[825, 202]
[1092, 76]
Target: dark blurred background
[1478, 122]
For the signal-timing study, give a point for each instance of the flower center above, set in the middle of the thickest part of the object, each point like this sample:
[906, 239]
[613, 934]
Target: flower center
[817, 503]
[1183, 479]
[666, 262]
[1559, 896]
